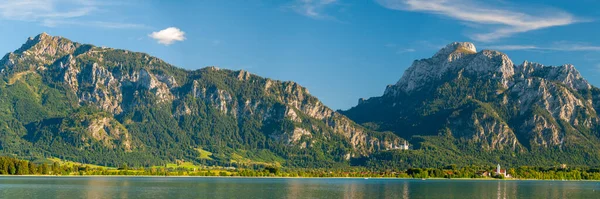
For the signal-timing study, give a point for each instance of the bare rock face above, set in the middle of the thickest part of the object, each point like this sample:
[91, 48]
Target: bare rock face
[159, 88]
[218, 98]
[291, 114]
[488, 130]
[46, 45]
[543, 131]
[299, 98]
[454, 57]
[103, 89]
[566, 74]
[558, 100]
[70, 72]
[492, 62]
[296, 135]
[243, 75]
[455, 50]
[110, 133]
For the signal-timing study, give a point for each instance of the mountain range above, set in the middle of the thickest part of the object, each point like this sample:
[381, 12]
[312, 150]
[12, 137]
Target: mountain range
[107, 106]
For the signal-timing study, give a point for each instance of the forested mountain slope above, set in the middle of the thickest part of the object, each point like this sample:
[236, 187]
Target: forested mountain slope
[107, 106]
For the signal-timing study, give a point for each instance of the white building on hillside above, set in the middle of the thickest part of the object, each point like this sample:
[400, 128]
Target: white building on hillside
[403, 146]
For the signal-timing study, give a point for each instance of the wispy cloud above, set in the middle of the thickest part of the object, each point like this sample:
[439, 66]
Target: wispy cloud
[35, 10]
[399, 50]
[558, 46]
[500, 21]
[406, 50]
[99, 24]
[168, 36]
[313, 8]
[52, 13]
[513, 47]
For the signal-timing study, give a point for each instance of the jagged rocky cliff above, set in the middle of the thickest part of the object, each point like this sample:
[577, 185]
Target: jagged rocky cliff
[483, 99]
[85, 103]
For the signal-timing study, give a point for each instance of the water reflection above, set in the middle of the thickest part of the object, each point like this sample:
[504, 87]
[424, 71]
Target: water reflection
[166, 187]
[405, 192]
[501, 190]
[95, 188]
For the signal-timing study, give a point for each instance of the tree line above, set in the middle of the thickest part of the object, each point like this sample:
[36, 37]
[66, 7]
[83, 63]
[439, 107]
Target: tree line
[14, 166]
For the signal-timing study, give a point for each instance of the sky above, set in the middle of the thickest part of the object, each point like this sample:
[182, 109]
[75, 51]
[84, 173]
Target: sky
[341, 50]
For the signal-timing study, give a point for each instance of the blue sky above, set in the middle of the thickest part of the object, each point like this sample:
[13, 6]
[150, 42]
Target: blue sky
[341, 50]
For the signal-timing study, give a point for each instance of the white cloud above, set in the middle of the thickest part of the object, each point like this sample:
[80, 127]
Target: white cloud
[501, 22]
[406, 50]
[168, 36]
[513, 47]
[34, 10]
[398, 49]
[52, 13]
[558, 46]
[312, 8]
[100, 24]
[578, 48]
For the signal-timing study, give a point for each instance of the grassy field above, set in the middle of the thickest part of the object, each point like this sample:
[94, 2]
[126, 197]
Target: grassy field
[204, 155]
[71, 164]
[18, 76]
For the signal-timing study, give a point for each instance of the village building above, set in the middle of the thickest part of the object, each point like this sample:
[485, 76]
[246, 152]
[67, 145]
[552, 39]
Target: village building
[500, 171]
[403, 146]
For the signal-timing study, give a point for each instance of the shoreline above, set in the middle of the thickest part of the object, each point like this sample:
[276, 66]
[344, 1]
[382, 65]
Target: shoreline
[259, 177]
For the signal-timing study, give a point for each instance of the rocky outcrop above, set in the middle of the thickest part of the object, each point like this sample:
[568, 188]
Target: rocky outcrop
[218, 98]
[543, 131]
[566, 74]
[243, 75]
[110, 133]
[102, 88]
[489, 131]
[45, 47]
[452, 58]
[557, 99]
[161, 89]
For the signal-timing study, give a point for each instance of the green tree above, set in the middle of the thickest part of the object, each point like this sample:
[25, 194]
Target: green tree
[44, 169]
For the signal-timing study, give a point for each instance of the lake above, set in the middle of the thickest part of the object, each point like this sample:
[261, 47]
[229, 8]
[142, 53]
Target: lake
[203, 187]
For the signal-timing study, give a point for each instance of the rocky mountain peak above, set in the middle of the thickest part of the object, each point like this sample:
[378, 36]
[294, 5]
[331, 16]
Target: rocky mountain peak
[456, 48]
[44, 44]
[567, 74]
[455, 57]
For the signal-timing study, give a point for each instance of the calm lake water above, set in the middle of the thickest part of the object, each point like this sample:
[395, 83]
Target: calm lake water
[189, 187]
